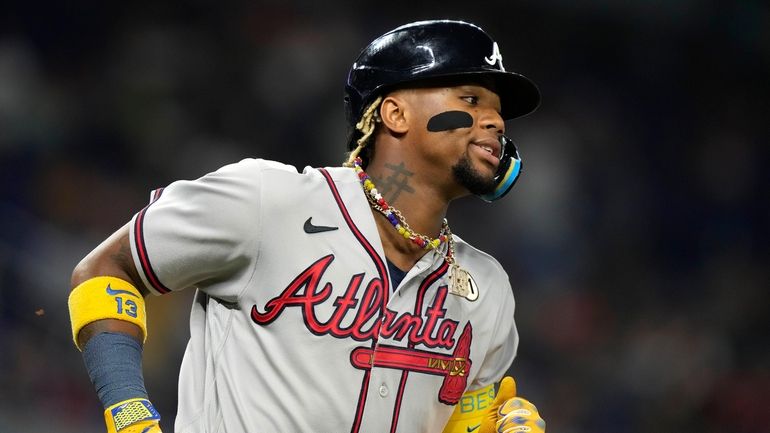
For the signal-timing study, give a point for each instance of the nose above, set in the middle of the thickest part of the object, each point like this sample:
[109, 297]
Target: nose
[491, 119]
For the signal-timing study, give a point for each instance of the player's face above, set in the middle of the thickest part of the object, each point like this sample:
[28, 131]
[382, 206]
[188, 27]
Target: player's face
[458, 128]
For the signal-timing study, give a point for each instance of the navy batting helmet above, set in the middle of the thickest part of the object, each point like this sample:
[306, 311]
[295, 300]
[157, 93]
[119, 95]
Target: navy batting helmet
[429, 50]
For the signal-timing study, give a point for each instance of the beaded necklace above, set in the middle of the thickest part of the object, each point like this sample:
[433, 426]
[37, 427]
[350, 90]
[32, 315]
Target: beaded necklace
[395, 217]
[460, 281]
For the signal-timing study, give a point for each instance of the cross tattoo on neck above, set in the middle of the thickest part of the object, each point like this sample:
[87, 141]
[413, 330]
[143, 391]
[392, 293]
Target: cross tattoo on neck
[398, 182]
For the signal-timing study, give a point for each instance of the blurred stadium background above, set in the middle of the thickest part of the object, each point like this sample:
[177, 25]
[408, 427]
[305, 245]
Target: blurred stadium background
[636, 241]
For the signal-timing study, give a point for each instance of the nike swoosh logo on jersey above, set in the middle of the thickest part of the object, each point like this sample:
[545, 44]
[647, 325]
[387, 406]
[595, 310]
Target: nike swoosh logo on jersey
[470, 429]
[113, 292]
[309, 227]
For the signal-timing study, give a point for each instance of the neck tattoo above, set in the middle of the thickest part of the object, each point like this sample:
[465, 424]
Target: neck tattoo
[460, 281]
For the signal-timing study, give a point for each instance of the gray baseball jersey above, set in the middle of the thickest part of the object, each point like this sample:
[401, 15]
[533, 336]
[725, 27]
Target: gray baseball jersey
[295, 325]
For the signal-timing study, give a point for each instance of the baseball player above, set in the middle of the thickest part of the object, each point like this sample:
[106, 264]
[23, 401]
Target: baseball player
[333, 299]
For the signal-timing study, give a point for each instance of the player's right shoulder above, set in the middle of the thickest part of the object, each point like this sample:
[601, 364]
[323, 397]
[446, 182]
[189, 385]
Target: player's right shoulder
[249, 172]
[235, 182]
[255, 172]
[253, 165]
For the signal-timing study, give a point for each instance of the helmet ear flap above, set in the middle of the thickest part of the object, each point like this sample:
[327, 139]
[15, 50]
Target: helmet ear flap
[507, 172]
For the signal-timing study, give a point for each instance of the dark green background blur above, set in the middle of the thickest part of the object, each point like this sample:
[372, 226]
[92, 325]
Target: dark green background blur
[636, 241]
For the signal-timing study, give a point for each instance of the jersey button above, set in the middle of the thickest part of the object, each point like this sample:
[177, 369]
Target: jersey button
[383, 390]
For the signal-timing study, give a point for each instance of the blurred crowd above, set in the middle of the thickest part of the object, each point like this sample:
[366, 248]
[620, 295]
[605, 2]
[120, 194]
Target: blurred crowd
[636, 240]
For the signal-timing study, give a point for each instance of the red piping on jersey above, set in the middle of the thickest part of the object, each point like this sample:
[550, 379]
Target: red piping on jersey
[399, 399]
[141, 248]
[383, 273]
[435, 275]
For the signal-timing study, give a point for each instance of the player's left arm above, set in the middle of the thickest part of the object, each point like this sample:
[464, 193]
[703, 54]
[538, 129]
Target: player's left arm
[483, 411]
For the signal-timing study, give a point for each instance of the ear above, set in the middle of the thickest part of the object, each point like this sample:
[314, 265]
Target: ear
[393, 113]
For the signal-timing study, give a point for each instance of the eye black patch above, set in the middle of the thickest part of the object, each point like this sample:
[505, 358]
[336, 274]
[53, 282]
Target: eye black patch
[449, 120]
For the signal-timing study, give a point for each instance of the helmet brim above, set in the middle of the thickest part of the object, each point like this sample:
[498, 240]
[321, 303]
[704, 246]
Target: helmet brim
[519, 96]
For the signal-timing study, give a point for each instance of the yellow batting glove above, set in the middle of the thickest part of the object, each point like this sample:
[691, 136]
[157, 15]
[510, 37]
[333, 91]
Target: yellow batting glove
[509, 413]
[136, 415]
[505, 392]
[519, 415]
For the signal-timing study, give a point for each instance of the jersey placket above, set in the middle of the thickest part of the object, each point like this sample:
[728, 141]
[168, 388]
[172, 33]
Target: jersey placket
[389, 374]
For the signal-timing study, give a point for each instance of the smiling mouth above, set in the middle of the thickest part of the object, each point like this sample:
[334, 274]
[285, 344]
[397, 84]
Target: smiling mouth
[489, 147]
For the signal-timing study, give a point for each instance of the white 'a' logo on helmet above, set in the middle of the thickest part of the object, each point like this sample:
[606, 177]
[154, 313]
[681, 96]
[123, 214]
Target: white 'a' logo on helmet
[495, 57]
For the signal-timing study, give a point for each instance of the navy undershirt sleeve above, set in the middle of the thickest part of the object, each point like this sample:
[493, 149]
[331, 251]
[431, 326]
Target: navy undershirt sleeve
[114, 363]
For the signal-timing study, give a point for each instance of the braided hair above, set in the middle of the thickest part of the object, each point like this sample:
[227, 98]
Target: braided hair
[366, 127]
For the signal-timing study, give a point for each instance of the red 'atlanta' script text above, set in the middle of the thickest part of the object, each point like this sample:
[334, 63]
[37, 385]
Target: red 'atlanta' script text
[366, 316]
